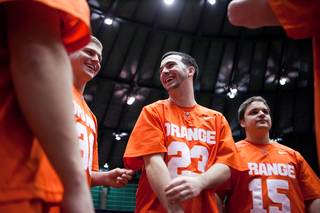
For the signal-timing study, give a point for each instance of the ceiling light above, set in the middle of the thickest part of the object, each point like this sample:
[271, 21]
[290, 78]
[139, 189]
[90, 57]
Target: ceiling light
[118, 137]
[130, 100]
[232, 93]
[283, 81]
[108, 21]
[212, 2]
[276, 139]
[168, 1]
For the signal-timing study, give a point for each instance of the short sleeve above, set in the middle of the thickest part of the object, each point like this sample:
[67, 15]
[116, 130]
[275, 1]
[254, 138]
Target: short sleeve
[309, 183]
[300, 19]
[146, 138]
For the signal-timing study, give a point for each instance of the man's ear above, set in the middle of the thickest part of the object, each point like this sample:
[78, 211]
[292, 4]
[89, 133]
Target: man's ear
[191, 70]
[242, 123]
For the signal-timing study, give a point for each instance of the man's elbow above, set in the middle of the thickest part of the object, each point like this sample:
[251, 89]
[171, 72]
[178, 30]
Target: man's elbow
[240, 13]
[233, 13]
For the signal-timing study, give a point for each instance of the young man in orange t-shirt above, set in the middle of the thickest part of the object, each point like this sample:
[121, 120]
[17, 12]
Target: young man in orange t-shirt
[184, 149]
[279, 179]
[300, 19]
[85, 66]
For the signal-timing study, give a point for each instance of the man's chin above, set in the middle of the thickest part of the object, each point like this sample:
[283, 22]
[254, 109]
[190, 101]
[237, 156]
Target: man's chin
[171, 87]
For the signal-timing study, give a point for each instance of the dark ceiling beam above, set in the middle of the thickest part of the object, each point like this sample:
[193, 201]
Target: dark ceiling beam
[126, 54]
[276, 112]
[220, 63]
[156, 71]
[237, 57]
[106, 58]
[103, 119]
[199, 77]
[147, 45]
[198, 35]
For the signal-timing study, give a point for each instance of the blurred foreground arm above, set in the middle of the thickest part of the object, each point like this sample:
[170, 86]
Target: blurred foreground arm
[251, 13]
[42, 78]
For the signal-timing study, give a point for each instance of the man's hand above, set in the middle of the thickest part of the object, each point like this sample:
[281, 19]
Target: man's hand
[184, 188]
[119, 178]
[116, 178]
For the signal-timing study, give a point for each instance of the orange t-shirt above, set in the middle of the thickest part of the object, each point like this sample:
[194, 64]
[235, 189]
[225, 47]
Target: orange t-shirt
[193, 140]
[279, 180]
[25, 174]
[301, 19]
[86, 128]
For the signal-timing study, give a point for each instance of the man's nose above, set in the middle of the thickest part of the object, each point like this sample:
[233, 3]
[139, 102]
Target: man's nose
[95, 58]
[165, 70]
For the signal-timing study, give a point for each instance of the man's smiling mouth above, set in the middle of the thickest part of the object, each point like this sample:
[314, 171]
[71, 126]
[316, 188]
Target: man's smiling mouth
[169, 79]
[90, 66]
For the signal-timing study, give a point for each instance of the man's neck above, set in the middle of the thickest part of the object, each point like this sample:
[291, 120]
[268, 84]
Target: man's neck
[183, 98]
[258, 137]
[80, 86]
[183, 95]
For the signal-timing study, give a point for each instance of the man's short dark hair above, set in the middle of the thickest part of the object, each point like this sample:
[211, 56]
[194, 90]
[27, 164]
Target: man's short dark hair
[187, 60]
[247, 102]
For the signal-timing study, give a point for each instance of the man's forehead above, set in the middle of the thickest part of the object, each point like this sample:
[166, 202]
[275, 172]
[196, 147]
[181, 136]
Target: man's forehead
[94, 47]
[256, 105]
[171, 58]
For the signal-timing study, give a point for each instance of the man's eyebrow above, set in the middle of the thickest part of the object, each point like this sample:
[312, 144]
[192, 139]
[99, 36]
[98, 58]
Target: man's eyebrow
[96, 52]
[168, 62]
[258, 109]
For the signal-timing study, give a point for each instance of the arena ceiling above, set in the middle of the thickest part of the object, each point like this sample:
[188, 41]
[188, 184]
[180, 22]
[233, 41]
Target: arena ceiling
[253, 61]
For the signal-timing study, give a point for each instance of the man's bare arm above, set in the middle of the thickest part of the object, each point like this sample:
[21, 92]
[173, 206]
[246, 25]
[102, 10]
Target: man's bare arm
[159, 177]
[251, 13]
[42, 79]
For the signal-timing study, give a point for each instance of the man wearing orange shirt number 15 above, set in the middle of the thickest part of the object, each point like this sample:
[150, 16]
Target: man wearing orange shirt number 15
[279, 179]
[184, 149]
[300, 19]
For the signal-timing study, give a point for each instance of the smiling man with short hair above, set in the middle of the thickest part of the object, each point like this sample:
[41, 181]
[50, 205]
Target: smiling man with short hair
[184, 149]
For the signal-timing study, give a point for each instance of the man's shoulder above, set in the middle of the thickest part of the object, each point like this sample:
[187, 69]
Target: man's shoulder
[159, 105]
[242, 143]
[285, 149]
